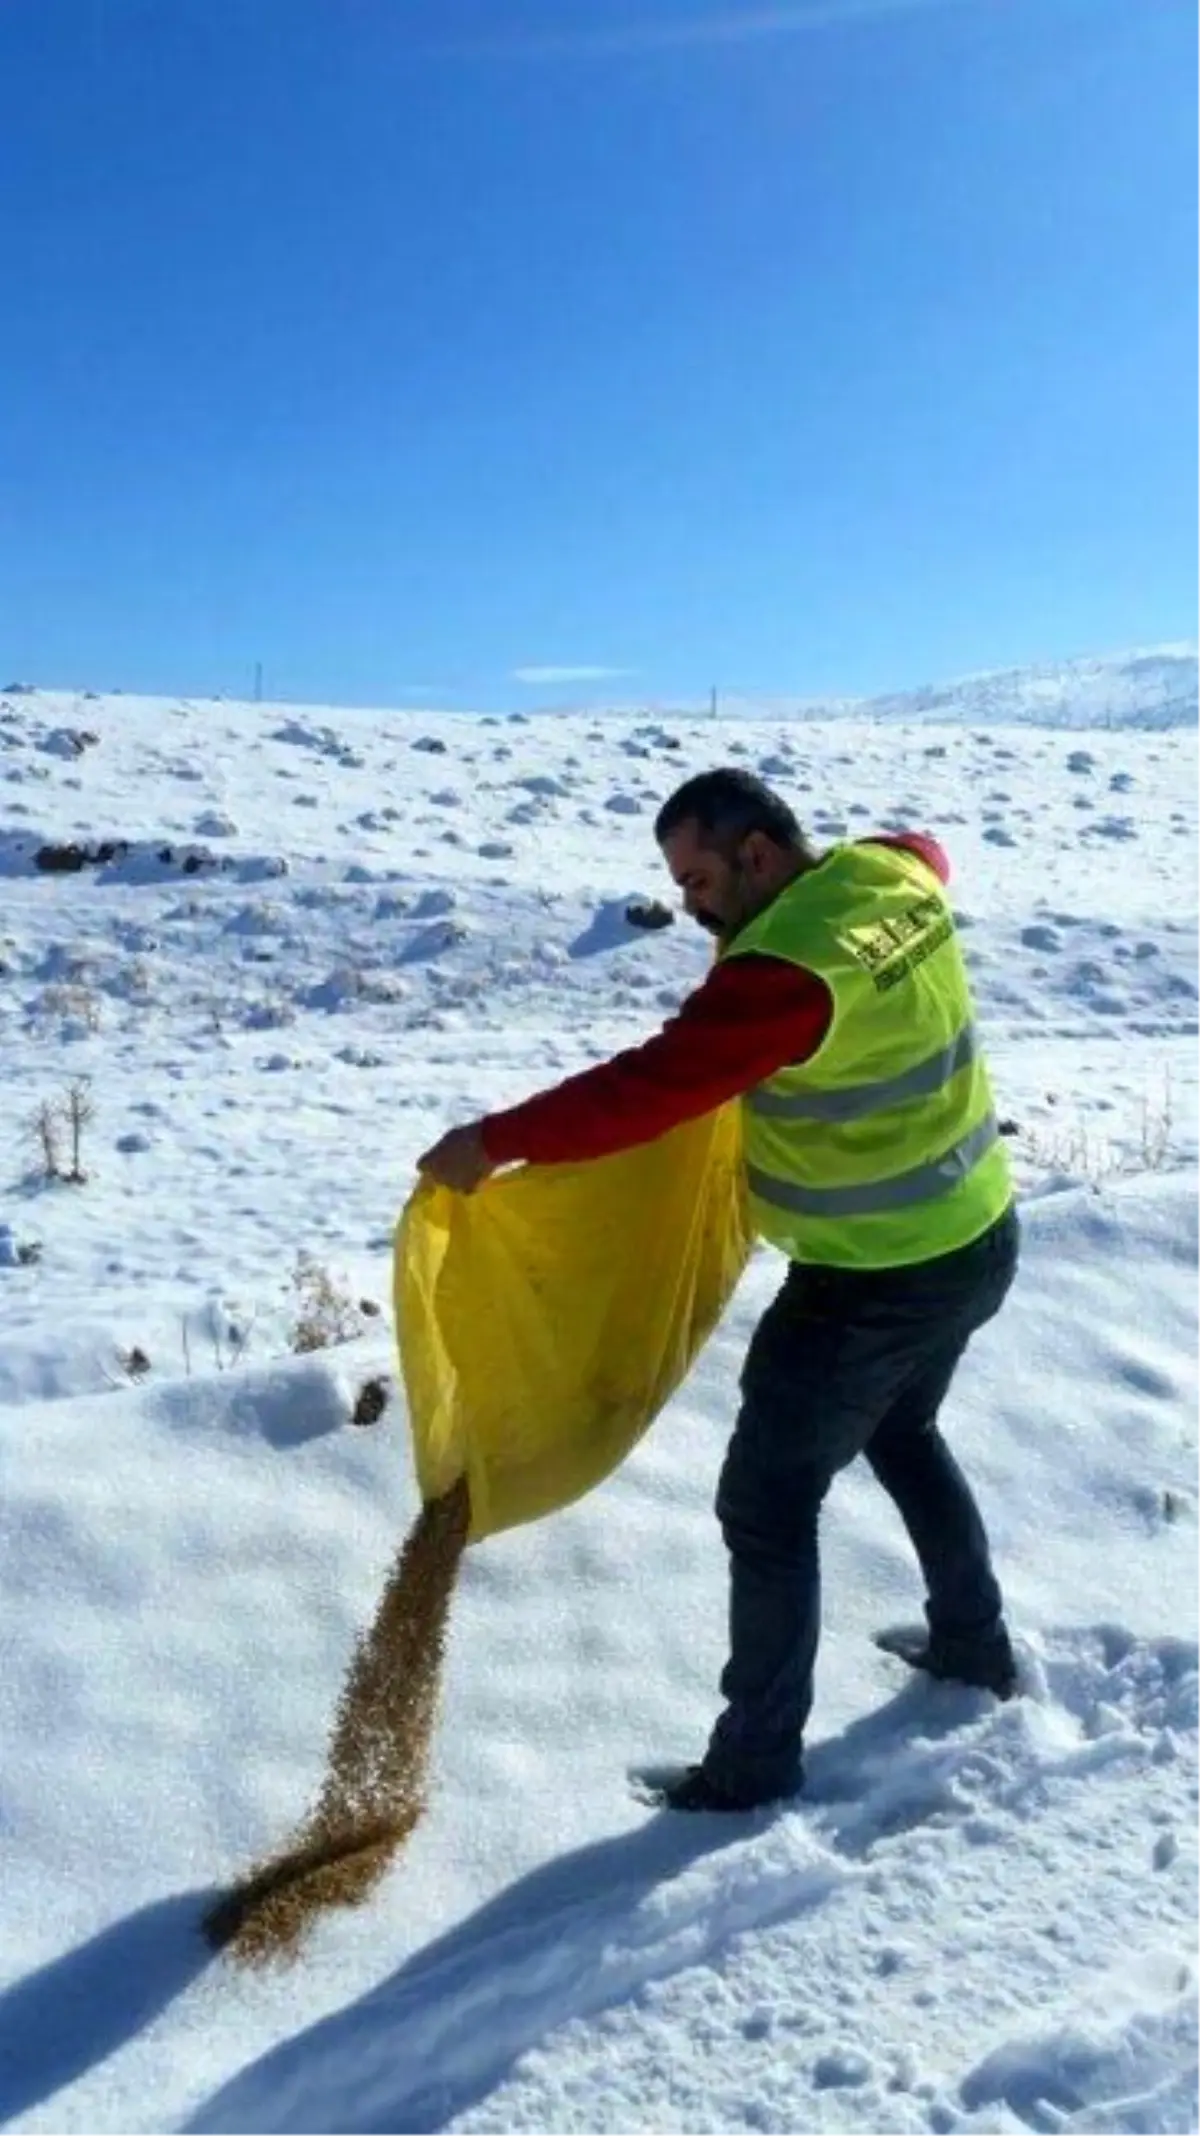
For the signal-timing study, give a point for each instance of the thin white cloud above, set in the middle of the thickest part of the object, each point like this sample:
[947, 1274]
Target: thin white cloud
[734, 26]
[538, 675]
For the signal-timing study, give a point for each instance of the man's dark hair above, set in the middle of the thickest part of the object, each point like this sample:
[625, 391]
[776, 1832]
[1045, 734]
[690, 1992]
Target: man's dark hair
[725, 806]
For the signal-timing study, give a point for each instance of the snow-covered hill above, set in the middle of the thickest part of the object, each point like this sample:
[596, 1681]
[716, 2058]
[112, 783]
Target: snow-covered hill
[1154, 688]
[273, 950]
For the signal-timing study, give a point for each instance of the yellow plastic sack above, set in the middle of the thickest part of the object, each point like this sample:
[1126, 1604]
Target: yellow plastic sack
[544, 1320]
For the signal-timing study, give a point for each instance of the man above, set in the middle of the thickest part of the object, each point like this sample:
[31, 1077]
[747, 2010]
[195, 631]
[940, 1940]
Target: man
[840, 1013]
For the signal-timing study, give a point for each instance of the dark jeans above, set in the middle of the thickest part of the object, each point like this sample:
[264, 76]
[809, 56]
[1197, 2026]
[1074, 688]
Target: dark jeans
[842, 1363]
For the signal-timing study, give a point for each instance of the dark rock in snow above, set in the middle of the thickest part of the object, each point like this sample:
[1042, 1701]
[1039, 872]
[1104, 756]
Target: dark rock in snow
[649, 913]
[61, 859]
[371, 1401]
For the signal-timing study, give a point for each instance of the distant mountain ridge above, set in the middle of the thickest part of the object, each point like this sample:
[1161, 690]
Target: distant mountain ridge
[1156, 687]
[1152, 688]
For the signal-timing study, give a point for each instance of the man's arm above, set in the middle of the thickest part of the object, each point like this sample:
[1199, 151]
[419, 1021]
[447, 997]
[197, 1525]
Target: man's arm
[752, 1016]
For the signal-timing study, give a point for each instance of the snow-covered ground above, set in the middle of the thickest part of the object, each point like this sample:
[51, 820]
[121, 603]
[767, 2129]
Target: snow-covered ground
[369, 925]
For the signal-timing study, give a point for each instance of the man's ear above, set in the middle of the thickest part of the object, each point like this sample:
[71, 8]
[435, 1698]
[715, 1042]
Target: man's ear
[758, 853]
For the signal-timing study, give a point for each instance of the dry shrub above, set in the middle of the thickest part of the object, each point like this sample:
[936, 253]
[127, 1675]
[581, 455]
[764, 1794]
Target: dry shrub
[374, 1789]
[73, 1111]
[325, 1311]
[1145, 1141]
[73, 1002]
[137, 980]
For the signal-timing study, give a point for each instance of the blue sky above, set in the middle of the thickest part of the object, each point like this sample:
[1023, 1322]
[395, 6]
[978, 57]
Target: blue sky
[417, 351]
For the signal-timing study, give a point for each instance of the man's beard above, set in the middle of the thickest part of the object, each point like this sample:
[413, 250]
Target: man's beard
[741, 907]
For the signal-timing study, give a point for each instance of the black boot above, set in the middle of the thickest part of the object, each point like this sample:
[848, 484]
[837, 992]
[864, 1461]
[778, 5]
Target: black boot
[989, 1665]
[695, 1789]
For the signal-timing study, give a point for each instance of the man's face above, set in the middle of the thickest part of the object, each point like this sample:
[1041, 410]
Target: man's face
[719, 892]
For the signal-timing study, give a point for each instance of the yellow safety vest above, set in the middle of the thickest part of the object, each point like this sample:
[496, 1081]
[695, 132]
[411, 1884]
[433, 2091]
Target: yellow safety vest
[882, 1149]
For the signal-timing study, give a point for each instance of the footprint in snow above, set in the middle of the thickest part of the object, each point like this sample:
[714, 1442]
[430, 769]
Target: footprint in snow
[841, 2067]
[433, 903]
[1041, 937]
[1141, 1376]
[544, 786]
[1119, 827]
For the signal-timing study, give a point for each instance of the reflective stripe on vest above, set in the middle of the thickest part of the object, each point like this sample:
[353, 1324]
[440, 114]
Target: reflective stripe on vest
[925, 1183]
[861, 1099]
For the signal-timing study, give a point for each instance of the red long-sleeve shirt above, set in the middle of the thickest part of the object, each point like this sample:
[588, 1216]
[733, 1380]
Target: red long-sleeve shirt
[752, 1016]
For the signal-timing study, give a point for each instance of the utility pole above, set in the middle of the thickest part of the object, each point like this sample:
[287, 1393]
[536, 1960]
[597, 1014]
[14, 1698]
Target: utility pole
[712, 708]
[258, 682]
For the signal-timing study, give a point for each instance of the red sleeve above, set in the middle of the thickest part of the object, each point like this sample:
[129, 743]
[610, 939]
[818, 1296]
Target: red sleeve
[922, 843]
[752, 1016]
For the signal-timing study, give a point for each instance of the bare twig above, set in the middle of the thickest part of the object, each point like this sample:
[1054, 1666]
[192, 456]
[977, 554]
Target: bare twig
[43, 1126]
[241, 1339]
[80, 1112]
